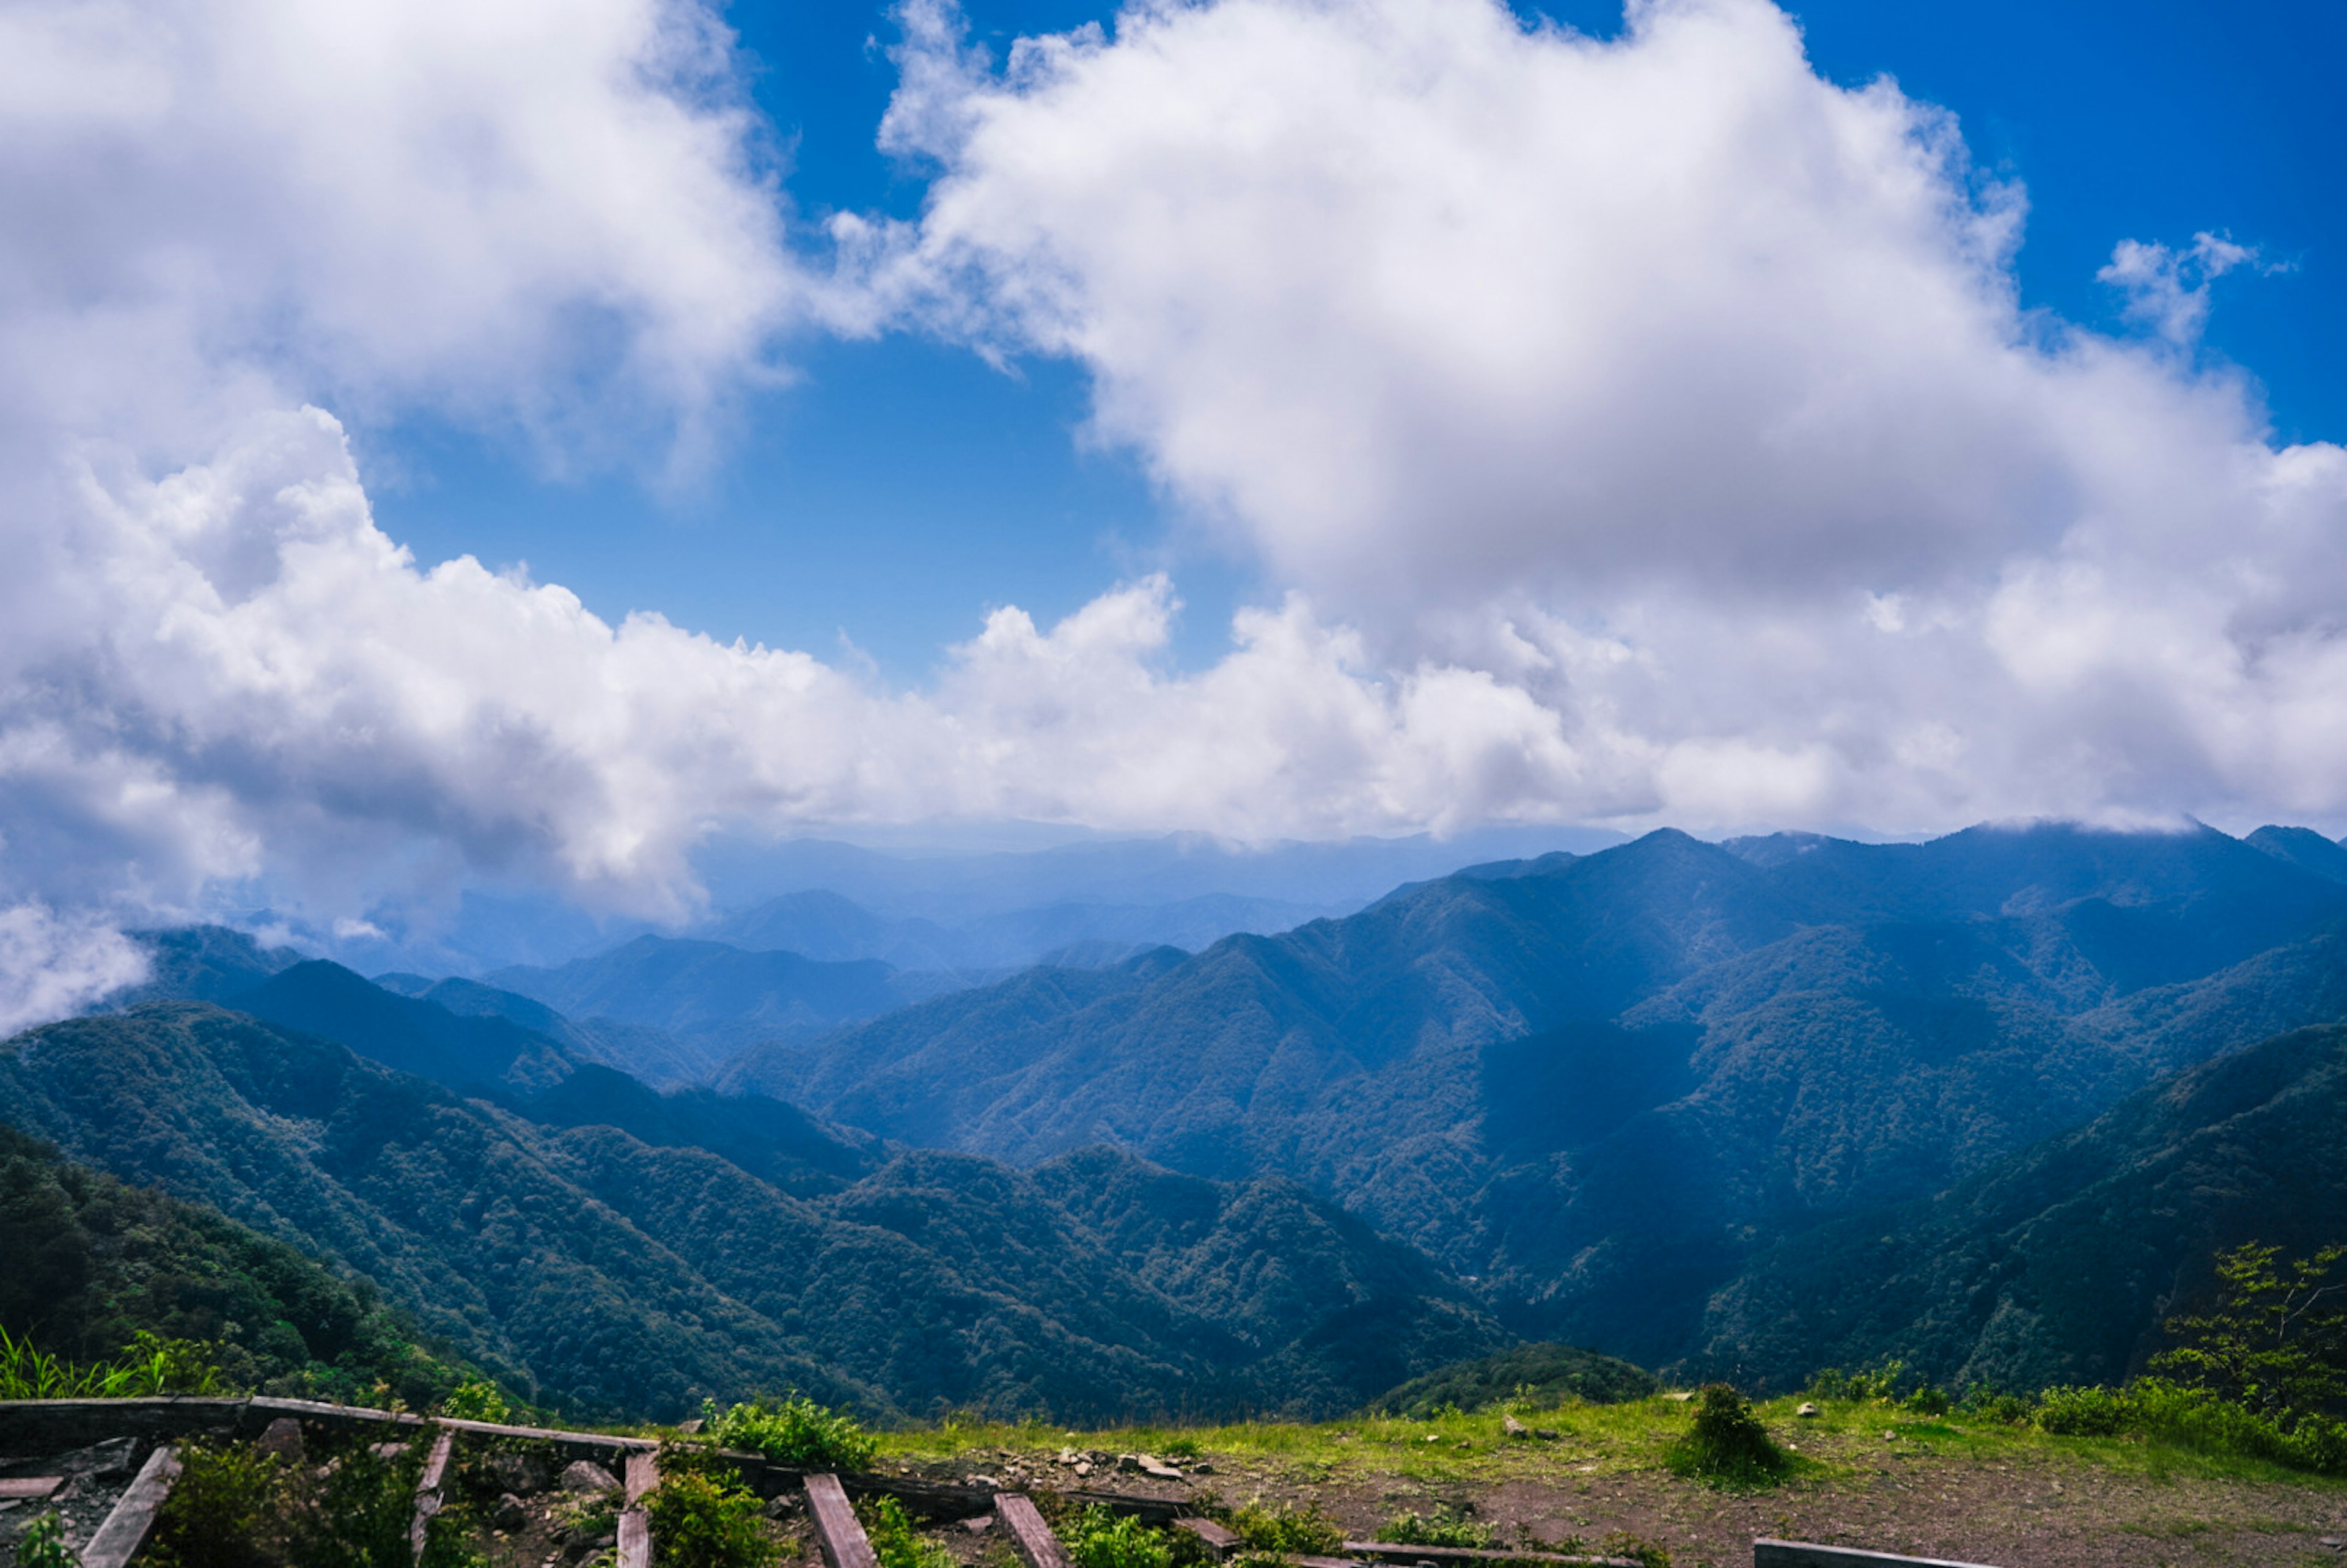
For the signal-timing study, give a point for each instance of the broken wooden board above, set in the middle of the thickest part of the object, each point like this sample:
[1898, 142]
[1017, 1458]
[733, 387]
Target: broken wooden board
[1768, 1553]
[643, 1476]
[126, 1529]
[1029, 1536]
[635, 1539]
[427, 1491]
[1219, 1539]
[836, 1529]
[31, 1488]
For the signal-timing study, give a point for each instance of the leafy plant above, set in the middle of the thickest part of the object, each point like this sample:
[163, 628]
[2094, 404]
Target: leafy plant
[476, 1399]
[794, 1431]
[43, 1545]
[1878, 1383]
[223, 1511]
[151, 1365]
[2276, 1341]
[1727, 1445]
[895, 1541]
[1099, 1537]
[703, 1520]
[1446, 1526]
[1305, 1530]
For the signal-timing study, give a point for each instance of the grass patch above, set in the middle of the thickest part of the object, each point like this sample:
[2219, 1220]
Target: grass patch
[895, 1542]
[703, 1517]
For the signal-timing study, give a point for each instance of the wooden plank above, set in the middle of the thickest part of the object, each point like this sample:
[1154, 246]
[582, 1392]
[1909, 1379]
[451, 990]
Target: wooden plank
[126, 1529]
[35, 1487]
[1768, 1553]
[643, 1475]
[1398, 1552]
[635, 1539]
[1029, 1536]
[1220, 1540]
[427, 1491]
[836, 1529]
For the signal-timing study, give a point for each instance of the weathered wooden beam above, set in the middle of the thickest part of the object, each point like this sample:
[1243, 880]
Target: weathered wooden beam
[1396, 1551]
[635, 1539]
[427, 1491]
[126, 1529]
[1768, 1553]
[1029, 1536]
[32, 1488]
[1220, 1539]
[836, 1529]
[643, 1476]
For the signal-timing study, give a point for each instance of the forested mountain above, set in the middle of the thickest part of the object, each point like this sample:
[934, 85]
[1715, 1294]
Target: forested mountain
[2056, 1265]
[1593, 1080]
[581, 1238]
[92, 1260]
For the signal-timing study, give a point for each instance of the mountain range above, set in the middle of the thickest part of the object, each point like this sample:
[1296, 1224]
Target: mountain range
[1640, 1099]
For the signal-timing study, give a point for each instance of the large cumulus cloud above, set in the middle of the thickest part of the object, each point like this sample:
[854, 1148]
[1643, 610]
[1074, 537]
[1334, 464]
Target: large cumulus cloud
[1682, 389]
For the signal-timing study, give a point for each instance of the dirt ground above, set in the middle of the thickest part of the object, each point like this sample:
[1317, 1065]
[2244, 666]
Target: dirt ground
[2027, 1510]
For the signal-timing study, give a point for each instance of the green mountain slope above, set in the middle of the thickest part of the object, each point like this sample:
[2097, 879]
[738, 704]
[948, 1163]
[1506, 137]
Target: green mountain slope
[91, 1261]
[1591, 1080]
[2058, 1264]
[615, 1274]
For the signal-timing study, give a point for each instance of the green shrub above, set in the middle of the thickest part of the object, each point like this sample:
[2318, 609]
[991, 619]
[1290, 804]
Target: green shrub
[1985, 1403]
[894, 1539]
[2087, 1412]
[1880, 1383]
[224, 1511]
[43, 1545]
[1100, 1537]
[476, 1399]
[150, 1365]
[701, 1520]
[1727, 1445]
[1307, 1530]
[1446, 1526]
[793, 1431]
[2272, 1344]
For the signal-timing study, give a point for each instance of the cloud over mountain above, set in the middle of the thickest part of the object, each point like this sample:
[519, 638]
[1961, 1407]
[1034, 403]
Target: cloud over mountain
[1647, 429]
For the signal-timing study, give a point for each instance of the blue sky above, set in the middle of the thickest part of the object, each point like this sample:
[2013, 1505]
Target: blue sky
[903, 488]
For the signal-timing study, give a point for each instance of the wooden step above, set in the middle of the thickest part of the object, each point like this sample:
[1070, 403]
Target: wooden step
[1029, 1536]
[836, 1529]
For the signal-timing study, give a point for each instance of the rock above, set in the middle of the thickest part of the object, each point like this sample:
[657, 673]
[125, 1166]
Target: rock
[509, 1513]
[1157, 1469]
[1083, 1467]
[1067, 1456]
[1683, 1395]
[281, 1440]
[1547, 1434]
[1128, 1464]
[781, 1504]
[1201, 1468]
[100, 1461]
[1807, 1411]
[692, 1428]
[524, 1472]
[1515, 1427]
[990, 1482]
[979, 1524]
[585, 1475]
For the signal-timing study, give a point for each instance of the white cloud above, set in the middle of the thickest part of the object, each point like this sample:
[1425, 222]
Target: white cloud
[1510, 344]
[51, 966]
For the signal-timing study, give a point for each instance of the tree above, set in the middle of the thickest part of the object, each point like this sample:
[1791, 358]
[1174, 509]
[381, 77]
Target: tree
[2276, 1341]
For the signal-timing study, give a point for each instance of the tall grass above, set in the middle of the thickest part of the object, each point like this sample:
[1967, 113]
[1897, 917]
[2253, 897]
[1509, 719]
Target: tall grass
[150, 1366]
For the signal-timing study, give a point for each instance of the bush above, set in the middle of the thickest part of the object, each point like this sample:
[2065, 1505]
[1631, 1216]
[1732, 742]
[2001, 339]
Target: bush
[233, 1508]
[1446, 1526]
[476, 1399]
[2272, 1344]
[151, 1365]
[1306, 1530]
[794, 1431]
[701, 1520]
[43, 1545]
[1099, 1537]
[894, 1539]
[1880, 1383]
[2087, 1412]
[1727, 1445]
[224, 1511]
